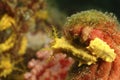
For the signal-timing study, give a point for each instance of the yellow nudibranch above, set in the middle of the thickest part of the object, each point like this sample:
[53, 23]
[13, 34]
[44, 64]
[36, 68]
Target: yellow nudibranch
[88, 55]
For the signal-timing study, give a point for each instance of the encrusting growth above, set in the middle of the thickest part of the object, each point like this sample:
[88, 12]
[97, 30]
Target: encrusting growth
[91, 38]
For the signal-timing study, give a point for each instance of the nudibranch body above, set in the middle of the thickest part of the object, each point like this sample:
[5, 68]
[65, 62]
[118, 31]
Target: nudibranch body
[85, 37]
[80, 54]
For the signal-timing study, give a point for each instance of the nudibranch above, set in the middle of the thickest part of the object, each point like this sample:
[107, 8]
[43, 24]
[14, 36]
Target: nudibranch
[85, 35]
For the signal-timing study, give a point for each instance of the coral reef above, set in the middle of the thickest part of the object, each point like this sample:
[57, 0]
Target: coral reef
[16, 19]
[86, 47]
[25, 27]
[46, 67]
[12, 45]
[80, 44]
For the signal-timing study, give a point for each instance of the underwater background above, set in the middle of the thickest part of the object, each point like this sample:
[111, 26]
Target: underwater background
[27, 30]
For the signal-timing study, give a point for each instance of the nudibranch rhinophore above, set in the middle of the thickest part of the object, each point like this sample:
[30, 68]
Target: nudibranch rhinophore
[86, 37]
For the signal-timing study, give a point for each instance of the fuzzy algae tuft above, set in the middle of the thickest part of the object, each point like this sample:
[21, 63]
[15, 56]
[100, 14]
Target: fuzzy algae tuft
[90, 18]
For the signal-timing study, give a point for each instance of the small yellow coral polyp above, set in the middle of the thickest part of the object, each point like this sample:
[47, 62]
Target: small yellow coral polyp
[102, 50]
[8, 44]
[6, 67]
[6, 22]
[81, 55]
[23, 46]
[42, 14]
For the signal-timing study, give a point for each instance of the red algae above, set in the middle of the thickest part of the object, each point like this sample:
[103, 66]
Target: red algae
[42, 69]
